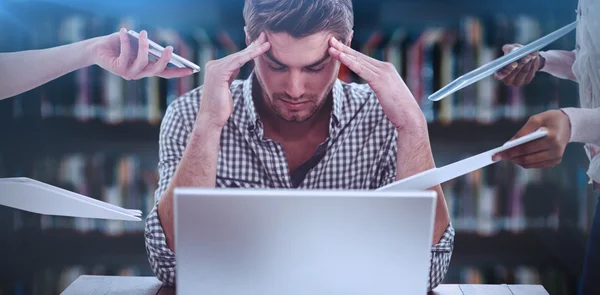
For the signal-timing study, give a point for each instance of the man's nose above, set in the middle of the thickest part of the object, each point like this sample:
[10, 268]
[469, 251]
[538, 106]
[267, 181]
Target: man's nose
[295, 85]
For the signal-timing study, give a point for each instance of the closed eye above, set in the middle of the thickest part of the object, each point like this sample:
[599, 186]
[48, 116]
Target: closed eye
[277, 68]
[316, 69]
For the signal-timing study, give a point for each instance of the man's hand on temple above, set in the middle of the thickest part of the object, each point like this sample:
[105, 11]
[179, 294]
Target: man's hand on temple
[216, 104]
[394, 96]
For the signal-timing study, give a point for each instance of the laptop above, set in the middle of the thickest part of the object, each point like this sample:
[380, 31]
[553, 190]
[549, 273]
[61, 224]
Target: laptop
[284, 241]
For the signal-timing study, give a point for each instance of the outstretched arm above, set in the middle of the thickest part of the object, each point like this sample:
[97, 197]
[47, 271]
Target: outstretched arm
[25, 70]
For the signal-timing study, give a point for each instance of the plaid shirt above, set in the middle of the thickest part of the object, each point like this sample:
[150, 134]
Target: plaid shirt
[360, 153]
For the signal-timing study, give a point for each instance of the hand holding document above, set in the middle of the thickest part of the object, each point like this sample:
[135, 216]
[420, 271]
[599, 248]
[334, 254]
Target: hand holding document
[38, 197]
[435, 176]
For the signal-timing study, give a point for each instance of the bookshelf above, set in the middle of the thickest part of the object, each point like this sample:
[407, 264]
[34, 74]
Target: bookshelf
[98, 134]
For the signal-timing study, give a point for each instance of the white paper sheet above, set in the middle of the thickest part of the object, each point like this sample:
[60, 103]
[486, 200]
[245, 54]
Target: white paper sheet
[435, 176]
[38, 197]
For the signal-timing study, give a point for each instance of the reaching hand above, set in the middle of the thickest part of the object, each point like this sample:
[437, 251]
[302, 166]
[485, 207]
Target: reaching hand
[216, 104]
[545, 152]
[522, 71]
[114, 54]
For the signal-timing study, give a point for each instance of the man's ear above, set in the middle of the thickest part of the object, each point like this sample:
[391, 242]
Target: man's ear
[247, 37]
[350, 38]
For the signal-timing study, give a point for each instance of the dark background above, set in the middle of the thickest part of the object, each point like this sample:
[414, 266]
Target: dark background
[97, 135]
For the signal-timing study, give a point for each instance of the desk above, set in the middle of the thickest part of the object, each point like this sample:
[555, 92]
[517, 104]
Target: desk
[113, 285]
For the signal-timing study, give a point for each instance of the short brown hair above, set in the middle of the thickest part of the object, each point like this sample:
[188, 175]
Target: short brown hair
[299, 18]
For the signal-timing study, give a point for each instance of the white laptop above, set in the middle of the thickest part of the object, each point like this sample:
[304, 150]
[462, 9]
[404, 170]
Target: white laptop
[278, 241]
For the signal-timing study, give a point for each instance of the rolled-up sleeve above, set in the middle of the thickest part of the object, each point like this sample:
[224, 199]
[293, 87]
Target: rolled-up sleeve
[173, 134]
[585, 124]
[161, 258]
[441, 253]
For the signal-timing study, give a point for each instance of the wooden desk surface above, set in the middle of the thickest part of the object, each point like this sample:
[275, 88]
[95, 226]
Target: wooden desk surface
[112, 285]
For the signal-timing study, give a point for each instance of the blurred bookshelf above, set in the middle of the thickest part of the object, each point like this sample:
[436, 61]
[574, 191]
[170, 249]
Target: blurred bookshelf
[97, 134]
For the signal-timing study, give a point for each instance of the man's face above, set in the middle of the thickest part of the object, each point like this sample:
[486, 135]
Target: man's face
[296, 75]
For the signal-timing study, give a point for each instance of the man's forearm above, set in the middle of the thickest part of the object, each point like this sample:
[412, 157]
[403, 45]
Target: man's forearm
[559, 63]
[25, 70]
[197, 168]
[414, 156]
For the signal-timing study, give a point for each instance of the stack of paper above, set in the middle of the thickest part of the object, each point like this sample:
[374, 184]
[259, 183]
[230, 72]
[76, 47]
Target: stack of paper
[38, 197]
[432, 177]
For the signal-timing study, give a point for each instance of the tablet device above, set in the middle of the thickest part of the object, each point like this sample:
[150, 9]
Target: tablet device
[35, 196]
[156, 50]
[497, 64]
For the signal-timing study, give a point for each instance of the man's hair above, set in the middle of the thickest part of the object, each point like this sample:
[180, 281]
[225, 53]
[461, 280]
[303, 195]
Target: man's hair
[299, 18]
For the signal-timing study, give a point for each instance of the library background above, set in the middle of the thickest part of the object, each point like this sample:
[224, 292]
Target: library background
[97, 134]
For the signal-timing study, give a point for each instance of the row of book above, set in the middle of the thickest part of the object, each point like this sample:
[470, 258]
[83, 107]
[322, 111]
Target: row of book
[427, 60]
[507, 197]
[92, 92]
[500, 197]
[435, 57]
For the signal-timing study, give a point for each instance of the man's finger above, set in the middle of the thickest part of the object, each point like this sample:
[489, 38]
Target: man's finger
[359, 68]
[256, 43]
[262, 38]
[347, 50]
[359, 60]
[239, 59]
[124, 56]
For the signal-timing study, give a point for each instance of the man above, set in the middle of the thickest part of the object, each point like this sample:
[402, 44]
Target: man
[25, 70]
[568, 124]
[292, 123]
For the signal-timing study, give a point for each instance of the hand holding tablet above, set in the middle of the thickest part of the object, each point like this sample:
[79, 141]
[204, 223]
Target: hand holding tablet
[157, 51]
